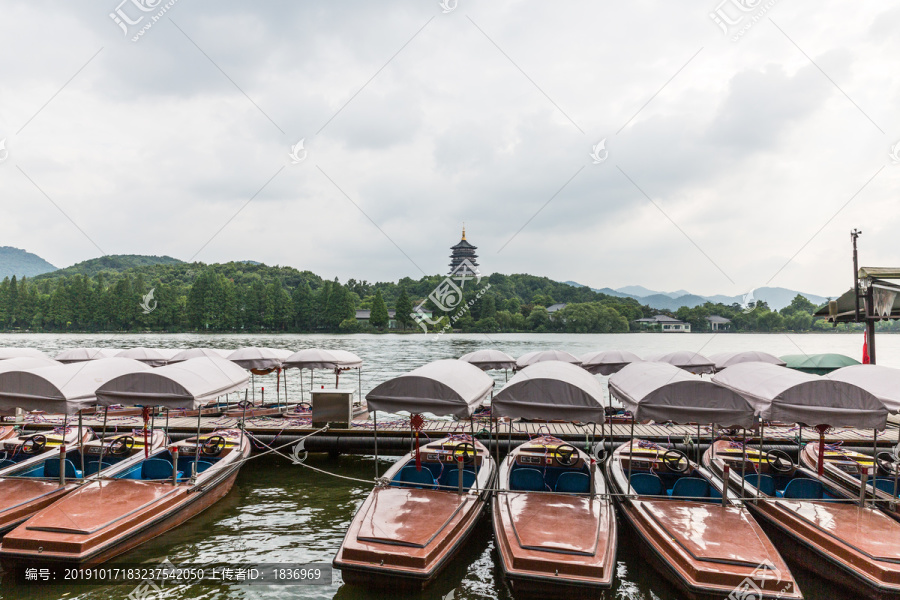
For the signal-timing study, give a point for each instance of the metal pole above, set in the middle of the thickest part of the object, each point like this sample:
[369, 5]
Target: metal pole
[630, 454]
[102, 442]
[743, 461]
[698, 443]
[853, 236]
[253, 385]
[375, 418]
[81, 444]
[197, 449]
[301, 384]
[474, 458]
[762, 433]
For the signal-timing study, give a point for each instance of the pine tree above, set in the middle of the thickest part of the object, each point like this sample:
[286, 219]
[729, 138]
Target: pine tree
[379, 315]
[403, 308]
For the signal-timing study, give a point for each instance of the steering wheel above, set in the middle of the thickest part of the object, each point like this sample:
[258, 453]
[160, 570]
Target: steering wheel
[304, 407]
[779, 461]
[121, 445]
[566, 455]
[34, 444]
[887, 463]
[467, 449]
[676, 461]
[213, 445]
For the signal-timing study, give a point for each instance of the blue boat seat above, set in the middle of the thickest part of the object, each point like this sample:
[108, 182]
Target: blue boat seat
[409, 475]
[690, 487]
[573, 482]
[95, 465]
[526, 480]
[885, 484]
[646, 484]
[203, 465]
[765, 483]
[157, 468]
[6, 463]
[450, 478]
[803, 489]
[51, 469]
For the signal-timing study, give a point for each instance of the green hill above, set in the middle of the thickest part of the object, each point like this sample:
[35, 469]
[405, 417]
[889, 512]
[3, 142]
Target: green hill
[14, 261]
[112, 263]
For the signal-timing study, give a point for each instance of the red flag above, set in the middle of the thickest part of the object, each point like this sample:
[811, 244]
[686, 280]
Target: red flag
[865, 359]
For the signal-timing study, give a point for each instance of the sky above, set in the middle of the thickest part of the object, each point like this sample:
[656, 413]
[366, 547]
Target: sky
[713, 146]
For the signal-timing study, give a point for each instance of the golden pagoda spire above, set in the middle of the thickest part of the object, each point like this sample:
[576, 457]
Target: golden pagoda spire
[464, 230]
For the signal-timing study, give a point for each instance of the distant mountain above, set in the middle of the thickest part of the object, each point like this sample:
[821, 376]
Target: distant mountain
[112, 262]
[14, 261]
[776, 297]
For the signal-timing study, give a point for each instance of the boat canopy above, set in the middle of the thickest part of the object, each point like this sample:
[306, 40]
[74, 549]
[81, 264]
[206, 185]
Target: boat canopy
[198, 353]
[83, 354]
[881, 382]
[259, 359]
[543, 355]
[443, 388]
[818, 364]
[664, 392]
[607, 362]
[789, 396]
[318, 358]
[64, 388]
[27, 363]
[187, 384]
[7, 353]
[729, 359]
[148, 356]
[551, 390]
[693, 362]
[489, 359]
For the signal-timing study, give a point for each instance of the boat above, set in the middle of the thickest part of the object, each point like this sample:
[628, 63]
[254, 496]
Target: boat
[707, 545]
[35, 447]
[815, 522]
[427, 504]
[553, 519]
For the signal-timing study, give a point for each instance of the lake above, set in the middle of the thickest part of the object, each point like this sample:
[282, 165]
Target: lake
[278, 512]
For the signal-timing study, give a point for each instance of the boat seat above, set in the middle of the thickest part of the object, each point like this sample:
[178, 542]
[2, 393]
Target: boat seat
[51, 469]
[573, 482]
[646, 484]
[409, 475]
[94, 466]
[526, 480]
[803, 489]
[450, 478]
[765, 483]
[203, 465]
[885, 484]
[157, 468]
[690, 487]
[6, 463]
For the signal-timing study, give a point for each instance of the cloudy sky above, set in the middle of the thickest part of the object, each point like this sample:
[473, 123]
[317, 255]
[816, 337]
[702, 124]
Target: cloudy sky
[739, 142]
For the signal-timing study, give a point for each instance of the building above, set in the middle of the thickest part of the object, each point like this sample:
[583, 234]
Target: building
[461, 252]
[363, 316]
[717, 323]
[664, 324]
[555, 307]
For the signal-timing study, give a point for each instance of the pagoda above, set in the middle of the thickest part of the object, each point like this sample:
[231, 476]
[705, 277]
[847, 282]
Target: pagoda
[464, 251]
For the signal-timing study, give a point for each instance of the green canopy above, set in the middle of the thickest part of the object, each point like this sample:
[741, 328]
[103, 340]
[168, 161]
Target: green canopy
[818, 364]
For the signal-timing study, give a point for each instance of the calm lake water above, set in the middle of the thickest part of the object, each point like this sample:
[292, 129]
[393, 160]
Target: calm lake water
[278, 512]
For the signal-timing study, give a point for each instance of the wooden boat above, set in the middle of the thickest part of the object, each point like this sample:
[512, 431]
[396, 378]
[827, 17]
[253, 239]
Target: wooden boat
[111, 515]
[408, 530]
[36, 446]
[814, 522]
[700, 545]
[33, 482]
[554, 543]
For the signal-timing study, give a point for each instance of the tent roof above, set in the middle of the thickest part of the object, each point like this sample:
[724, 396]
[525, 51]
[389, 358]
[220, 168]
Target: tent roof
[186, 384]
[149, 356]
[607, 362]
[728, 359]
[489, 359]
[27, 363]
[83, 354]
[65, 388]
[317, 358]
[7, 353]
[197, 353]
[543, 355]
[664, 392]
[551, 390]
[781, 394]
[258, 358]
[443, 387]
[818, 364]
[881, 382]
[879, 272]
[689, 361]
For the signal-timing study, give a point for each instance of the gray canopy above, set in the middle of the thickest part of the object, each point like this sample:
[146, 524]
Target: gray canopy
[544, 355]
[186, 384]
[7, 353]
[84, 354]
[27, 363]
[198, 353]
[317, 358]
[729, 359]
[444, 388]
[881, 382]
[262, 359]
[664, 392]
[489, 359]
[693, 362]
[551, 390]
[790, 396]
[64, 388]
[607, 362]
[148, 356]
